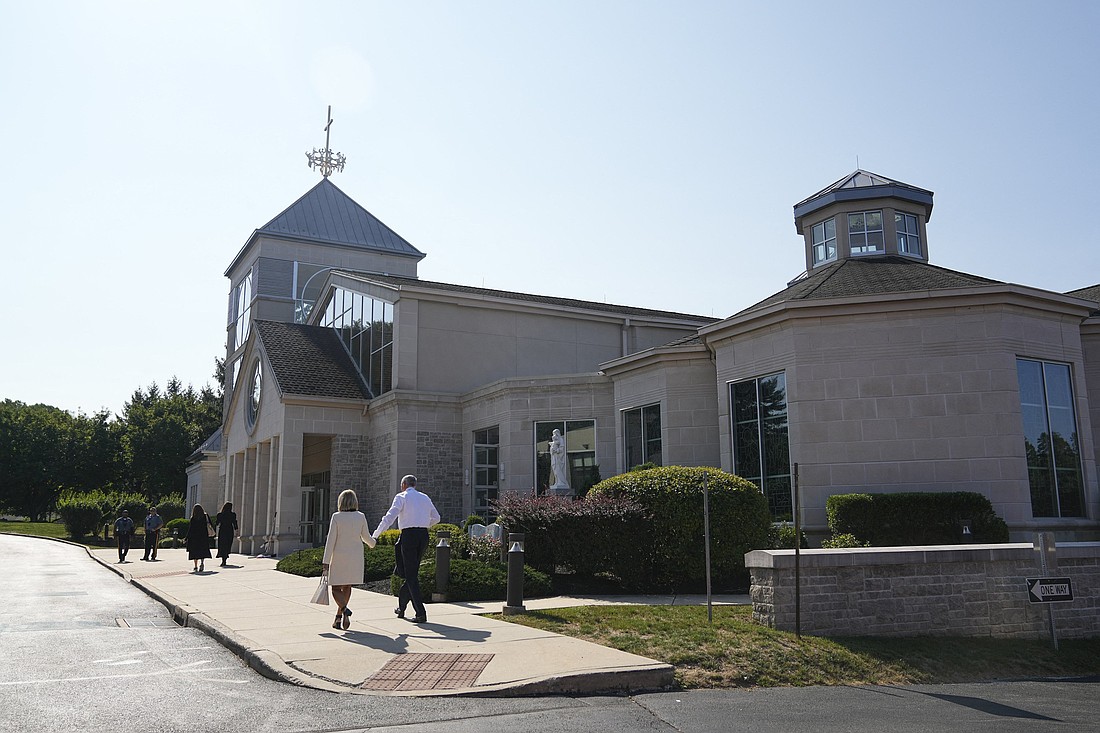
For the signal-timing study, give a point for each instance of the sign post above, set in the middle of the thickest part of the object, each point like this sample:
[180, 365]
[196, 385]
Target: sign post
[1044, 589]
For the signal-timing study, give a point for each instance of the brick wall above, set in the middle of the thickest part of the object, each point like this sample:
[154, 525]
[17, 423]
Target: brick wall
[967, 590]
[439, 472]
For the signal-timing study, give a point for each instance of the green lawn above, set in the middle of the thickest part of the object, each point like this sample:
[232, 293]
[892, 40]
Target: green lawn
[735, 652]
[50, 529]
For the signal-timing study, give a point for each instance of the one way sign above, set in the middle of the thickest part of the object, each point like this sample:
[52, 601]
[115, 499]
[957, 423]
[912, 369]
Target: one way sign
[1049, 590]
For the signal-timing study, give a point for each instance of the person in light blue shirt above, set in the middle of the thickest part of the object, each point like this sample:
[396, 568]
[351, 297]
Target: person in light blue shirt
[153, 523]
[414, 514]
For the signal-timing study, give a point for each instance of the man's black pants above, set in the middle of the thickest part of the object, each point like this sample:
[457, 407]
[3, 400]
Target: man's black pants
[123, 545]
[151, 544]
[410, 549]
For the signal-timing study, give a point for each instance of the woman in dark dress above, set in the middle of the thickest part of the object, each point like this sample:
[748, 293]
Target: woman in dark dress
[198, 537]
[226, 522]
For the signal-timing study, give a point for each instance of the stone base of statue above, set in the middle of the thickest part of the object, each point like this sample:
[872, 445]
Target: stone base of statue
[560, 490]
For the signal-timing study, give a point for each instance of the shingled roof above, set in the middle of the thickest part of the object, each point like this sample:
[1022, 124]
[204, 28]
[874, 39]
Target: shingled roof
[878, 275]
[327, 214]
[309, 361]
[1090, 293]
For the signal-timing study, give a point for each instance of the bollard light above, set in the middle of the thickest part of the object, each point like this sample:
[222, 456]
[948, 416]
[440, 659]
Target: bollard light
[514, 603]
[442, 566]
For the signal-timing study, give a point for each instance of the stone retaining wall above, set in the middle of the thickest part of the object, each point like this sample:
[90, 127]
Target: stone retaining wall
[958, 590]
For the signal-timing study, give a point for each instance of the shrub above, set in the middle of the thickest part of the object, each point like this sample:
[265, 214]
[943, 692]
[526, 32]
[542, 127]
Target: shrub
[472, 520]
[82, 514]
[306, 563]
[377, 563]
[389, 537]
[458, 539]
[842, 540]
[136, 504]
[170, 507]
[484, 549]
[781, 537]
[596, 534]
[476, 581]
[673, 546]
[179, 525]
[914, 518]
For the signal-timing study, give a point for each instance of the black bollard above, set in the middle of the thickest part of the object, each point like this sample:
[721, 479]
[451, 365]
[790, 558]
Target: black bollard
[514, 596]
[442, 566]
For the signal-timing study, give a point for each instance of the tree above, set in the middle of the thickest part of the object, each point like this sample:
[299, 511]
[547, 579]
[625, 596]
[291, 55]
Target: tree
[161, 431]
[35, 448]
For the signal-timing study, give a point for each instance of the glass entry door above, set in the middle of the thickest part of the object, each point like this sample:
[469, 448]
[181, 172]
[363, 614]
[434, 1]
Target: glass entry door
[313, 527]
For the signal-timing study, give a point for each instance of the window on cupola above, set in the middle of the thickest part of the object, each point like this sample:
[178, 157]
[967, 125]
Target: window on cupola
[908, 234]
[824, 241]
[865, 232]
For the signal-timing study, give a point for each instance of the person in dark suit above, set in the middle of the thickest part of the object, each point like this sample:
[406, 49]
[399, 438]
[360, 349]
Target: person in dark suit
[198, 537]
[226, 524]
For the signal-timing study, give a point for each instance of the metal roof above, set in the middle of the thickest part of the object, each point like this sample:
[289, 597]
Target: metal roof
[327, 214]
[860, 185]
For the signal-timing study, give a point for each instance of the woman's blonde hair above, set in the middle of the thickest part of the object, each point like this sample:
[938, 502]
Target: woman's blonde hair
[348, 501]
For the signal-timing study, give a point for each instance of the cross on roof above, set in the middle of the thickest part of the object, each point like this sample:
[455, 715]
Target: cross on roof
[325, 160]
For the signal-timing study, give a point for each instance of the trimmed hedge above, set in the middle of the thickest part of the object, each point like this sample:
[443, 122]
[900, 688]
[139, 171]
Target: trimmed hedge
[82, 514]
[672, 552]
[377, 563]
[477, 581]
[914, 518]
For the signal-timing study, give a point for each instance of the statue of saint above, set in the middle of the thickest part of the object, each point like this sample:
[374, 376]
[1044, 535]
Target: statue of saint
[558, 464]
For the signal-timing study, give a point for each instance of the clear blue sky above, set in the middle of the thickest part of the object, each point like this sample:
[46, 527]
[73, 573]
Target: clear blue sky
[639, 153]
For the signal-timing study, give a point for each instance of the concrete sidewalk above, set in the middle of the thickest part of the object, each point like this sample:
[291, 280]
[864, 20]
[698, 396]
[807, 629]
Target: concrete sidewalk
[265, 617]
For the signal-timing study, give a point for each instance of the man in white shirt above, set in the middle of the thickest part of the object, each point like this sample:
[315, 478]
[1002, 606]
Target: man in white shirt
[414, 514]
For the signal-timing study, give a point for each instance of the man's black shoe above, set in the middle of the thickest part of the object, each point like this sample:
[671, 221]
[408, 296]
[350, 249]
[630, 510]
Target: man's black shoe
[419, 619]
[399, 613]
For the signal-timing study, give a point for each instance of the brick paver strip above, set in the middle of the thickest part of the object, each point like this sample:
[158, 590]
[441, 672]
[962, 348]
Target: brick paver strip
[428, 672]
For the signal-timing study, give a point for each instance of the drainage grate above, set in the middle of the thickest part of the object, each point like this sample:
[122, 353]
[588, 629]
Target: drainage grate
[428, 672]
[145, 623]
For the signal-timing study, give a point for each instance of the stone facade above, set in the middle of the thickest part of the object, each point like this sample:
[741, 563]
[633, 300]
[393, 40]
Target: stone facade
[956, 590]
[439, 472]
[350, 465]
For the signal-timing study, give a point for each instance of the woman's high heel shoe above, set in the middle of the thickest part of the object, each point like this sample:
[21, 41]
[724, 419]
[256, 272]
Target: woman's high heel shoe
[347, 618]
[336, 623]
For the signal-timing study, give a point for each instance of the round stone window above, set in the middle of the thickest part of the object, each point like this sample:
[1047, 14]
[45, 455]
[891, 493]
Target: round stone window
[255, 393]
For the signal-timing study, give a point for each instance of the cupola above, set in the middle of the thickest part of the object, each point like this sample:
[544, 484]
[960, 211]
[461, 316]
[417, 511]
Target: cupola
[864, 215]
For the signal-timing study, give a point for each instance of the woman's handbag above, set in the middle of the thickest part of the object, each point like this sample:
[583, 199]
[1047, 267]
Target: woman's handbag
[320, 596]
[209, 529]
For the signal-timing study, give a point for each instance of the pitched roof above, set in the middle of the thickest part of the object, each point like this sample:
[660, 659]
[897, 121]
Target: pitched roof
[399, 281]
[309, 361]
[1090, 293]
[213, 444]
[327, 214]
[860, 185]
[876, 275]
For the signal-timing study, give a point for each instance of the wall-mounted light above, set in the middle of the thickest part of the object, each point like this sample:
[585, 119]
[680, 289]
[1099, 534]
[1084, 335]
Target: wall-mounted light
[466, 477]
[502, 470]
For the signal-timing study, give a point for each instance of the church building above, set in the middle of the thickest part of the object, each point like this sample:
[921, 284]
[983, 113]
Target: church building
[874, 371]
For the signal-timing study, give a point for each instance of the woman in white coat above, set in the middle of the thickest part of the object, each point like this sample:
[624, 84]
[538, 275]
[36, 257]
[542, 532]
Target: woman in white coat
[343, 559]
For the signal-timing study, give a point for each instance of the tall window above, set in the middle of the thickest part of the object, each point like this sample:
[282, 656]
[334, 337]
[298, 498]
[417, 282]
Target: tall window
[761, 446]
[366, 327]
[243, 299]
[865, 232]
[642, 435]
[1050, 439]
[486, 470]
[824, 241]
[580, 450]
[908, 234]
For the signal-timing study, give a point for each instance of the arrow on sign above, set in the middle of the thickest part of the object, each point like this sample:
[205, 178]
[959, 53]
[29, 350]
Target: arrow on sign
[1049, 590]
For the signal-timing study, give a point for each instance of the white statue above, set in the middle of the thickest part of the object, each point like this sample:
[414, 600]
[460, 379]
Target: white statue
[558, 463]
